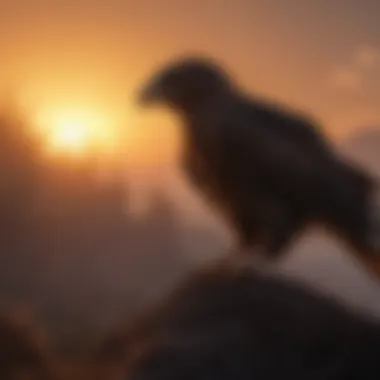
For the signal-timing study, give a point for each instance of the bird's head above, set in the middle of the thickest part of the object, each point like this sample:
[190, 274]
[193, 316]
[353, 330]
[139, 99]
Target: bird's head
[184, 84]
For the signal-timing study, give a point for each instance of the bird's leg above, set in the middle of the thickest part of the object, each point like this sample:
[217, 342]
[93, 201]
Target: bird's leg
[281, 231]
[373, 235]
[241, 257]
[243, 250]
[234, 258]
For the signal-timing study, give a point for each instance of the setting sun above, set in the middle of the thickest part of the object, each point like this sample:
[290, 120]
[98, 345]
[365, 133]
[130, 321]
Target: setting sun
[70, 134]
[75, 131]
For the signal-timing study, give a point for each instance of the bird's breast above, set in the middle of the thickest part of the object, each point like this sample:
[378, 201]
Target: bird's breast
[197, 170]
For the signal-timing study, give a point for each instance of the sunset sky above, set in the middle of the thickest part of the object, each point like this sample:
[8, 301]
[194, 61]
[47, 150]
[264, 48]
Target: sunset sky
[87, 56]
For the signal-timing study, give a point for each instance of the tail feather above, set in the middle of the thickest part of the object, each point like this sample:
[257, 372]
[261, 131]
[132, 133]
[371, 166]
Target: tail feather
[369, 252]
[374, 224]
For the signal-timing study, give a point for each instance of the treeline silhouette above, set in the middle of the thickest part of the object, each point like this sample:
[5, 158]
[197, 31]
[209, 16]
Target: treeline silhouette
[70, 248]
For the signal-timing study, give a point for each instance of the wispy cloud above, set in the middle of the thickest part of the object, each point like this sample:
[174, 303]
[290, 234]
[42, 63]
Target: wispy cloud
[367, 57]
[346, 78]
[352, 75]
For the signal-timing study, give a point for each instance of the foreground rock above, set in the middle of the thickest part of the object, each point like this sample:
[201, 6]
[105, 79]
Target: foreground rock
[238, 323]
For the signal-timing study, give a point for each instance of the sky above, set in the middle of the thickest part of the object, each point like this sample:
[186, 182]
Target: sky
[322, 56]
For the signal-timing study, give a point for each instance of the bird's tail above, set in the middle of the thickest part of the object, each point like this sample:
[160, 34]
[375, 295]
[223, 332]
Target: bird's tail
[363, 236]
[373, 235]
[369, 254]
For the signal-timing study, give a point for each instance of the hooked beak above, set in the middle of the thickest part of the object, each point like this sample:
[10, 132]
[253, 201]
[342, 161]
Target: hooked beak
[150, 93]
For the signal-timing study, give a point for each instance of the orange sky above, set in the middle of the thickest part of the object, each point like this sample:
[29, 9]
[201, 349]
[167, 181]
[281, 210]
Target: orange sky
[321, 56]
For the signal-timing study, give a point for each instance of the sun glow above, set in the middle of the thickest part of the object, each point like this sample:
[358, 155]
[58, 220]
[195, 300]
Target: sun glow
[70, 135]
[76, 130]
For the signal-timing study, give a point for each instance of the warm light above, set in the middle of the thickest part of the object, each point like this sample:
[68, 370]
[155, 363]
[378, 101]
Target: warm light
[70, 135]
[79, 131]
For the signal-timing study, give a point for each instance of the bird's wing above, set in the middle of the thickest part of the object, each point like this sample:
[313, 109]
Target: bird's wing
[286, 123]
[269, 148]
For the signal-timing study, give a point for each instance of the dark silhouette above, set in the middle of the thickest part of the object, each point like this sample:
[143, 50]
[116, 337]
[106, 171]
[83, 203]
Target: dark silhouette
[269, 170]
[237, 323]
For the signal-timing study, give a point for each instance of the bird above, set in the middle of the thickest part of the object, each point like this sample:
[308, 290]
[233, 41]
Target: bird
[269, 170]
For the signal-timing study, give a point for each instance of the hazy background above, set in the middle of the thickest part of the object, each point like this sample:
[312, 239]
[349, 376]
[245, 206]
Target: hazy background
[98, 224]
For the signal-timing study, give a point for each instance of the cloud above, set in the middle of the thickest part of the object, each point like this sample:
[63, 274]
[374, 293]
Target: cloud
[346, 78]
[367, 57]
[351, 76]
